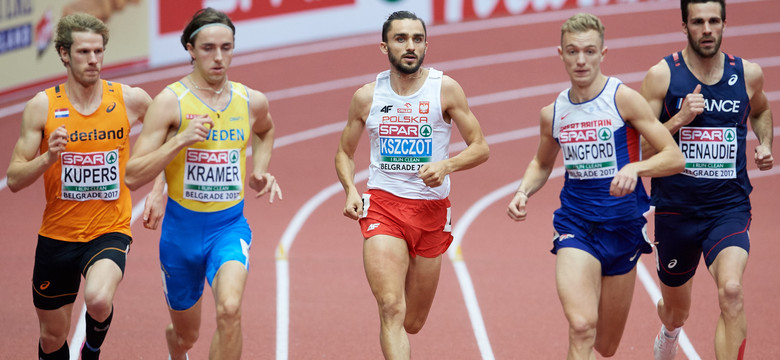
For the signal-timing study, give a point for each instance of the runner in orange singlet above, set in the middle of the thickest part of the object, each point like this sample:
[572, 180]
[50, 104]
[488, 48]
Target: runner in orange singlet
[76, 135]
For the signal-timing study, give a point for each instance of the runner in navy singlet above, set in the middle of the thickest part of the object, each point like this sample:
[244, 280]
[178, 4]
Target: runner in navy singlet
[706, 98]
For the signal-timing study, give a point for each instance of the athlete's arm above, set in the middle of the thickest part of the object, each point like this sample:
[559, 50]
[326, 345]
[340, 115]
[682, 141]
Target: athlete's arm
[760, 115]
[136, 103]
[159, 141]
[539, 169]
[154, 206]
[359, 109]
[456, 107]
[667, 161]
[25, 167]
[262, 145]
[654, 88]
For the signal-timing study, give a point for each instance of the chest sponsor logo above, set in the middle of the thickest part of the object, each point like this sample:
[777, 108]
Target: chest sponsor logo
[407, 109]
[212, 175]
[709, 152]
[90, 176]
[588, 150]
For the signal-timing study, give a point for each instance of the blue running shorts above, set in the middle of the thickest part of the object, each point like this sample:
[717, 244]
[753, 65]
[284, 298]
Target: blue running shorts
[194, 245]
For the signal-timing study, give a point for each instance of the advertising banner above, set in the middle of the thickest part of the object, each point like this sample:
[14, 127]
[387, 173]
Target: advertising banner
[27, 38]
[262, 24]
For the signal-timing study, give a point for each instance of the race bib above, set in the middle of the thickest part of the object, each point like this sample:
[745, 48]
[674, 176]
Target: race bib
[90, 176]
[405, 147]
[212, 175]
[710, 152]
[588, 152]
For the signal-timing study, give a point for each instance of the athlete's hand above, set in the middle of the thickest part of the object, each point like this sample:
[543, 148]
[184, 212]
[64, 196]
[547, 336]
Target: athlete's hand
[265, 183]
[354, 206]
[692, 106]
[57, 142]
[432, 174]
[516, 208]
[624, 182]
[197, 130]
[763, 156]
[154, 209]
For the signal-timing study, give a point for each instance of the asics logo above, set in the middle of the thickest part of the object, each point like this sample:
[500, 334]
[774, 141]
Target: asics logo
[45, 285]
[372, 226]
[111, 107]
[672, 263]
[733, 79]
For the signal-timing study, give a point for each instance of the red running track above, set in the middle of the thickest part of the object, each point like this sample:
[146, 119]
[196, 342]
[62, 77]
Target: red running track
[509, 69]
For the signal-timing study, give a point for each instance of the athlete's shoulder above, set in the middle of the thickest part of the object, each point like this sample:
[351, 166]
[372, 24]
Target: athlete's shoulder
[365, 93]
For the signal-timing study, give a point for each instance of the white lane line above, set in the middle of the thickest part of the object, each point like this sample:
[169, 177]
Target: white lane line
[283, 264]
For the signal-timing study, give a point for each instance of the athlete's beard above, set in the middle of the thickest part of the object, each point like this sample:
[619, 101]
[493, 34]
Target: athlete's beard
[403, 67]
[704, 53]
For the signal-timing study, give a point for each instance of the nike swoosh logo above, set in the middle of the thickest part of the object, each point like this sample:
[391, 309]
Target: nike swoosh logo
[635, 254]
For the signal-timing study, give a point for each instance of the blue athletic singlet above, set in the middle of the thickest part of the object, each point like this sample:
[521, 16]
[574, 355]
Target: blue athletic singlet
[596, 143]
[715, 177]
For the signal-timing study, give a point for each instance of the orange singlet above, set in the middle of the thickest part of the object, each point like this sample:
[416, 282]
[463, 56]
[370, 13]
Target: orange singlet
[86, 195]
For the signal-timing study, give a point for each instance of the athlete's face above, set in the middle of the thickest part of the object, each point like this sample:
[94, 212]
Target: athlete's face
[704, 28]
[84, 60]
[212, 53]
[406, 45]
[582, 54]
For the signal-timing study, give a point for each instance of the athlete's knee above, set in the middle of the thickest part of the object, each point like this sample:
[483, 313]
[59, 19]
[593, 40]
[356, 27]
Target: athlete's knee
[53, 337]
[391, 308]
[582, 328]
[185, 338]
[99, 304]
[730, 297]
[229, 313]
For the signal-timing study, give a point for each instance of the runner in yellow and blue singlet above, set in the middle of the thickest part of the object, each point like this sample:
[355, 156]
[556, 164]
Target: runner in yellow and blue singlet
[204, 224]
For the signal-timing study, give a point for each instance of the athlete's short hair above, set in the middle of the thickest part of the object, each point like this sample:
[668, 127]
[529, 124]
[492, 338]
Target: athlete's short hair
[684, 7]
[583, 22]
[400, 15]
[201, 18]
[78, 22]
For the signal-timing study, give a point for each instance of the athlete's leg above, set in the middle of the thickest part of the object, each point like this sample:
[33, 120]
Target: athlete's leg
[727, 270]
[386, 262]
[102, 281]
[54, 327]
[675, 304]
[183, 330]
[228, 287]
[578, 279]
[616, 294]
[422, 280]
